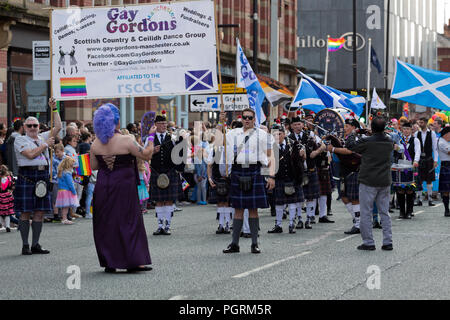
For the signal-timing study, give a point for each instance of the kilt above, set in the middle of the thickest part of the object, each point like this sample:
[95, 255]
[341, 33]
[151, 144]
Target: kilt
[281, 198]
[170, 193]
[426, 170]
[24, 198]
[351, 186]
[324, 181]
[253, 199]
[215, 198]
[444, 179]
[311, 191]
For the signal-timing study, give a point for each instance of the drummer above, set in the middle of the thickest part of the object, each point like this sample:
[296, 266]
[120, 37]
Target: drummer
[412, 153]
[444, 176]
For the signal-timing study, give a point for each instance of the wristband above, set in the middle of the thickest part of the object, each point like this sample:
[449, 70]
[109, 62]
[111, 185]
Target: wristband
[55, 110]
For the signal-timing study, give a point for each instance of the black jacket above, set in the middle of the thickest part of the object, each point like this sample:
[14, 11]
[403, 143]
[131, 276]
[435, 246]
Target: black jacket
[162, 161]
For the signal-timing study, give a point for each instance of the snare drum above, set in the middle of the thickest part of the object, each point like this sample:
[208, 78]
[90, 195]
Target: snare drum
[402, 176]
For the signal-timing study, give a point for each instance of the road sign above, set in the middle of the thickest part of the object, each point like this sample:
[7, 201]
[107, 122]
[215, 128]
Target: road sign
[211, 102]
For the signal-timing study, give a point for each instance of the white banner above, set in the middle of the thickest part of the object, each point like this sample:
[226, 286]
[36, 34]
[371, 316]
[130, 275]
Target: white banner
[145, 50]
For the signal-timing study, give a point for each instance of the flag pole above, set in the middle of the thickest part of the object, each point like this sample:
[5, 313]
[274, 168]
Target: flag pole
[327, 60]
[369, 69]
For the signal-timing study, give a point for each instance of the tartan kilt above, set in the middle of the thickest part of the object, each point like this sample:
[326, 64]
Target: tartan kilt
[253, 199]
[425, 166]
[324, 181]
[171, 193]
[215, 198]
[280, 196]
[351, 186]
[311, 191]
[24, 198]
[444, 179]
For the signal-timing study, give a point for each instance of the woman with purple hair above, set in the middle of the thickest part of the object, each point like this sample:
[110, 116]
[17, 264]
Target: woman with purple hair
[119, 232]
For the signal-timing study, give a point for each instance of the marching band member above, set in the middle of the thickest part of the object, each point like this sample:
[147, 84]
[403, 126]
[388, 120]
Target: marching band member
[164, 179]
[323, 172]
[428, 158]
[444, 176]
[414, 151]
[288, 179]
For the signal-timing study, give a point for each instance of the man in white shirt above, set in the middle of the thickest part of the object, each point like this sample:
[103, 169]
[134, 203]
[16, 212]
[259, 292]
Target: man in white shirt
[444, 176]
[249, 149]
[428, 158]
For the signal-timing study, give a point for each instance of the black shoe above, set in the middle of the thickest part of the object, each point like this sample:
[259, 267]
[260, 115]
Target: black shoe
[365, 247]
[447, 213]
[110, 270]
[391, 211]
[353, 230]
[220, 230]
[291, 228]
[167, 231]
[38, 250]
[312, 220]
[408, 216]
[226, 230]
[431, 204]
[276, 229]
[325, 220]
[26, 250]
[232, 248]
[418, 203]
[8, 229]
[138, 269]
[217, 216]
[299, 225]
[387, 247]
[158, 232]
[255, 248]
[329, 213]
[308, 225]
[377, 225]
[47, 220]
[247, 235]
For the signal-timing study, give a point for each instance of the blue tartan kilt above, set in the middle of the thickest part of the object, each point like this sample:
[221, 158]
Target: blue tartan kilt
[311, 191]
[444, 179]
[324, 181]
[351, 186]
[280, 196]
[171, 193]
[253, 199]
[215, 198]
[24, 198]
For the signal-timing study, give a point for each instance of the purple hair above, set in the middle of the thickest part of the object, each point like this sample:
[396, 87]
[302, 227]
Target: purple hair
[105, 120]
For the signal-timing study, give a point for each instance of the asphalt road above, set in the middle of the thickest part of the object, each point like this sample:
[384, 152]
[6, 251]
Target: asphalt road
[321, 263]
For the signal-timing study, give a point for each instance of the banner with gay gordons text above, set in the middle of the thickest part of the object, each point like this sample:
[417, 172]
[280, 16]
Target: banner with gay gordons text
[143, 50]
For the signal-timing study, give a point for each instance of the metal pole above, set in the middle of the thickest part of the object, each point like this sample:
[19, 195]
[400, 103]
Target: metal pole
[369, 69]
[255, 36]
[355, 75]
[386, 58]
[327, 60]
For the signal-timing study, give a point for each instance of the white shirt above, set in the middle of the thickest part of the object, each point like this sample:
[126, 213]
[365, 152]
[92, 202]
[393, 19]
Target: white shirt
[444, 149]
[22, 143]
[255, 150]
[71, 152]
[417, 150]
[433, 140]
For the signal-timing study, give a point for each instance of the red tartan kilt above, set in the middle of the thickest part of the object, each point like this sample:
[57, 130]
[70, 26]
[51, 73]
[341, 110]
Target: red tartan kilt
[324, 181]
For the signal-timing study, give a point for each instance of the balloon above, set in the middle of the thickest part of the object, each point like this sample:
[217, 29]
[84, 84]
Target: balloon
[434, 117]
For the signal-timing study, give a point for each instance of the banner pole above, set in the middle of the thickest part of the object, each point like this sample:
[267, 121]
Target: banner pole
[327, 60]
[224, 133]
[369, 69]
[51, 92]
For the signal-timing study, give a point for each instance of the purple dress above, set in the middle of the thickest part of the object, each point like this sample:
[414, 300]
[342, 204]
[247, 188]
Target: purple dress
[119, 232]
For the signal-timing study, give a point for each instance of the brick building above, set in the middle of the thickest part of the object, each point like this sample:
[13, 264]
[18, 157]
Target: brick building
[444, 49]
[24, 21]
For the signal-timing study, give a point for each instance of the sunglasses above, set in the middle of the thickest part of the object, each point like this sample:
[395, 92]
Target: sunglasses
[247, 117]
[32, 125]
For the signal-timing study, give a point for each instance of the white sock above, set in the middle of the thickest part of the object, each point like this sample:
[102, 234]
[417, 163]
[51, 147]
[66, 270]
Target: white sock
[279, 210]
[168, 212]
[221, 215]
[349, 207]
[299, 210]
[2, 221]
[292, 211]
[228, 212]
[356, 211]
[429, 191]
[232, 213]
[311, 208]
[160, 216]
[322, 206]
[7, 222]
[246, 225]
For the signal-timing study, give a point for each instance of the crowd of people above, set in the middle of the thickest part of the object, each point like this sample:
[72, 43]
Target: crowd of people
[287, 167]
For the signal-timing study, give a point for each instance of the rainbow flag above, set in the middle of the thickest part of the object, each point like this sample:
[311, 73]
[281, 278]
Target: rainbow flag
[71, 87]
[335, 44]
[84, 165]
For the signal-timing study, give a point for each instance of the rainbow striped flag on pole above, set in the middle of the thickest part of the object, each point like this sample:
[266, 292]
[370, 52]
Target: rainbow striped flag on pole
[335, 44]
[84, 165]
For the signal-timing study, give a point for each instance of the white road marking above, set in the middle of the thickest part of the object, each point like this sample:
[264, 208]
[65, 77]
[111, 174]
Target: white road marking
[245, 274]
[178, 298]
[418, 212]
[315, 240]
[343, 239]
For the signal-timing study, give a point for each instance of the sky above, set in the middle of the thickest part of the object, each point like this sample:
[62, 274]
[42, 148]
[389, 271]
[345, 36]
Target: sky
[443, 14]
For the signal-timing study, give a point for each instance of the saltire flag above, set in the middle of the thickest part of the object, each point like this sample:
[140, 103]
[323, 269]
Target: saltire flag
[421, 86]
[376, 101]
[314, 96]
[374, 59]
[248, 80]
[335, 44]
[84, 165]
